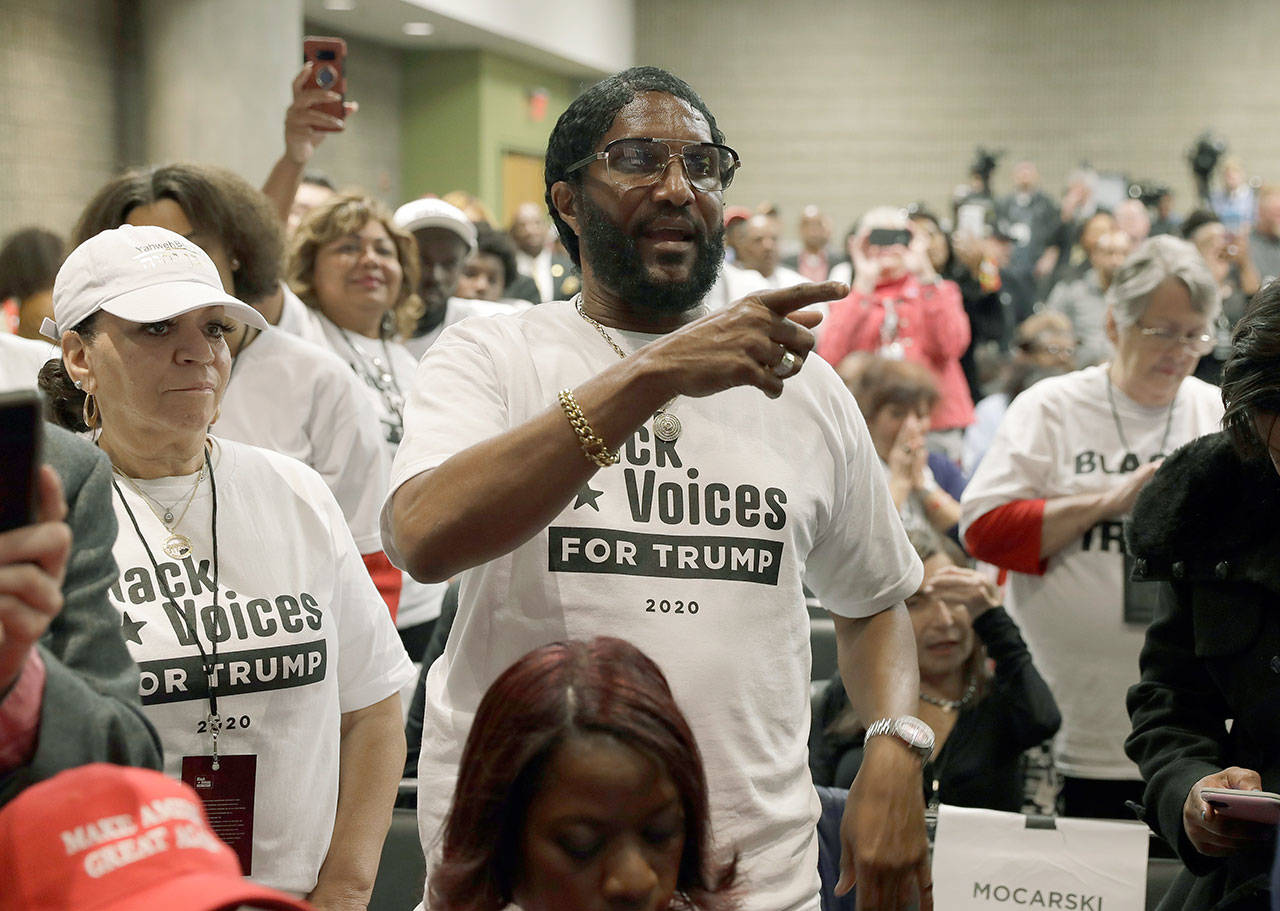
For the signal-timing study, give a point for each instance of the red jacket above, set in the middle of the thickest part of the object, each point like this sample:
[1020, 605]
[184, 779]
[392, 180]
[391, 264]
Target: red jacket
[933, 330]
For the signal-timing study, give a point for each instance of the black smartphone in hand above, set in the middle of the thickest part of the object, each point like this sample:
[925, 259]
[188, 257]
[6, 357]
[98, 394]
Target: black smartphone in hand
[21, 431]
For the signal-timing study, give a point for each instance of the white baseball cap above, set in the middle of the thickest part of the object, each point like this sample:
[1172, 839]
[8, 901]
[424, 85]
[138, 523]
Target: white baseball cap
[436, 213]
[143, 274]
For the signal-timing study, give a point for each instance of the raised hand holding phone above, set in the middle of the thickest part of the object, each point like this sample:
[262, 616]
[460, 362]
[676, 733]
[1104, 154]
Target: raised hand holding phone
[33, 564]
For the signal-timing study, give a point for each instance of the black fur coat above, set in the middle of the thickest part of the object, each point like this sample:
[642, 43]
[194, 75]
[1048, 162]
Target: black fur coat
[1206, 530]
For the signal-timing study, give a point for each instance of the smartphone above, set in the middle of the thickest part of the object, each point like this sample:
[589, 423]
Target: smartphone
[21, 430]
[888, 237]
[1252, 806]
[330, 57]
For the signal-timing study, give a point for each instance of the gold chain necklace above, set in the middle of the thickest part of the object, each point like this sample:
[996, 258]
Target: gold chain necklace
[666, 426]
[177, 545]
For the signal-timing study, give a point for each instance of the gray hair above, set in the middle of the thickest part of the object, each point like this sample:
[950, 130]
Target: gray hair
[1156, 259]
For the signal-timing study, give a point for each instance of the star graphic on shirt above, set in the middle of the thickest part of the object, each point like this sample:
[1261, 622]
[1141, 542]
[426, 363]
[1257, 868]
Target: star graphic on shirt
[587, 496]
[130, 628]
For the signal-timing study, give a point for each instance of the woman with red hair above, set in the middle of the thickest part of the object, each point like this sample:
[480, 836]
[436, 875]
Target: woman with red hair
[580, 785]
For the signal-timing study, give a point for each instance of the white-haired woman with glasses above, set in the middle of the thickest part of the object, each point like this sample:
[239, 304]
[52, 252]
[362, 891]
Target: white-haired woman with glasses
[1049, 501]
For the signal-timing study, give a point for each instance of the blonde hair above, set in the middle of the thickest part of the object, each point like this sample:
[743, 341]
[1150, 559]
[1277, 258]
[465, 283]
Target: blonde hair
[348, 213]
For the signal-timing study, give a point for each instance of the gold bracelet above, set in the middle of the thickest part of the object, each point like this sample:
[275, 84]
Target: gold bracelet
[595, 448]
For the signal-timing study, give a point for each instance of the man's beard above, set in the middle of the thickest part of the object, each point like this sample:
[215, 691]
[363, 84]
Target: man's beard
[617, 262]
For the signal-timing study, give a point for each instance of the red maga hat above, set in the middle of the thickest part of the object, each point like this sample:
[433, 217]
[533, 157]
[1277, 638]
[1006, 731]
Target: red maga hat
[108, 838]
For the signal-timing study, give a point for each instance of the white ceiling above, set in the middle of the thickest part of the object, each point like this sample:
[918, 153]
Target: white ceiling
[584, 38]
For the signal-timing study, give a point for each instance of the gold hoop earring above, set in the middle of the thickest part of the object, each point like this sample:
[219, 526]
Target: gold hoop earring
[217, 414]
[92, 417]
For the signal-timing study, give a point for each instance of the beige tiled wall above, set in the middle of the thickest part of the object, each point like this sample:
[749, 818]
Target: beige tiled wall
[851, 103]
[74, 108]
[59, 72]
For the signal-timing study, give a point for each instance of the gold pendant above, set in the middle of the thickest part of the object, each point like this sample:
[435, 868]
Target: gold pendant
[177, 546]
[666, 426]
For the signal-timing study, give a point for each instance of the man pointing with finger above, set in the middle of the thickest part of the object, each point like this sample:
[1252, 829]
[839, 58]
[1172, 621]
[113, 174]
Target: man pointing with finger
[627, 463]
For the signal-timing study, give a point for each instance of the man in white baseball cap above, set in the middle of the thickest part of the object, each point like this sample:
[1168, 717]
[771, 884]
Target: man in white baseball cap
[142, 274]
[445, 239]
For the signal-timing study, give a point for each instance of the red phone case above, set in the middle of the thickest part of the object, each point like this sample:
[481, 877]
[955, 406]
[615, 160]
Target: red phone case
[328, 73]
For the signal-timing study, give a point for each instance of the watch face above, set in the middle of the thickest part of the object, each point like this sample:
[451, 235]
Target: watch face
[915, 732]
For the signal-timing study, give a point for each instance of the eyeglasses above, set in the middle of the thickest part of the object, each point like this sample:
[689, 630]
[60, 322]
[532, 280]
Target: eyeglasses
[641, 161]
[1199, 343]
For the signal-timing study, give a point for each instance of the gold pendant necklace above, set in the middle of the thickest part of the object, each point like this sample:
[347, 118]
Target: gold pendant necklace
[177, 545]
[666, 426]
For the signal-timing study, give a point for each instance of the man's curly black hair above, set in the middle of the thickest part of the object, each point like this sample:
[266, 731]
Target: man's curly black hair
[589, 117]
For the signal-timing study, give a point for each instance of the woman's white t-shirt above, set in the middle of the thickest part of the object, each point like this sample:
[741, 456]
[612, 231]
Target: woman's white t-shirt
[303, 637]
[1059, 438]
[298, 398]
[371, 360]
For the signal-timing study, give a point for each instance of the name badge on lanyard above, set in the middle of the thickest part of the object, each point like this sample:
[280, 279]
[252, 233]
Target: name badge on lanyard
[227, 793]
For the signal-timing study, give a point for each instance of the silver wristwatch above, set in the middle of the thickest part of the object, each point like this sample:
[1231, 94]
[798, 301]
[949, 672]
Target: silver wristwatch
[917, 735]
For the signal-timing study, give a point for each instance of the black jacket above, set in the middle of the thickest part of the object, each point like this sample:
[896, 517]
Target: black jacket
[1207, 531]
[979, 765]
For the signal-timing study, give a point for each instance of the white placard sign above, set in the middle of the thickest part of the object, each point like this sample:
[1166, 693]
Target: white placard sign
[985, 860]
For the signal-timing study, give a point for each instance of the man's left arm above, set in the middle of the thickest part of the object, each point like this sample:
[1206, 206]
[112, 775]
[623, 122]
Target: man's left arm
[884, 843]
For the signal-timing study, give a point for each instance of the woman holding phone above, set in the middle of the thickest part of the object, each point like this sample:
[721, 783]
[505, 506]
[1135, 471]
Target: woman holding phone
[899, 308]
[269, 666]
[1204, 532]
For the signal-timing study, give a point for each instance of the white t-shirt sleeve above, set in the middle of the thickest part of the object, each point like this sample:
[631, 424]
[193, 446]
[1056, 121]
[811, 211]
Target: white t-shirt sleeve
[1020, 462]
[457, 400]
[372, 663]
[861, 563]
[350, 455]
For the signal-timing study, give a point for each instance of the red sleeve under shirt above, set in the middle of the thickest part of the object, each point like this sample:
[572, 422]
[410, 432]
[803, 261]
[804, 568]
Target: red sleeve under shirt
[1009, 536]
[386, 577]
[20, 715]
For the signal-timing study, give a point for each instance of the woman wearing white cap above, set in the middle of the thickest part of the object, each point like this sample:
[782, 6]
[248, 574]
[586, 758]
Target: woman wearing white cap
[283, 394]
[269, 665]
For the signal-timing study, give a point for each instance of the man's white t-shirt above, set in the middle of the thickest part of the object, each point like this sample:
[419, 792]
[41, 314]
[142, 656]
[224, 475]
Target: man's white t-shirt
[386, 364]
[693, 550]
[21, 360]
[303, 637]
[297, 398]
[1060, 438]
[456, 310]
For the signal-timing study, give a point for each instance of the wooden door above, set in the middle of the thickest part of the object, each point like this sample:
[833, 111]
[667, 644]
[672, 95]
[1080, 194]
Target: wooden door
[522, 182]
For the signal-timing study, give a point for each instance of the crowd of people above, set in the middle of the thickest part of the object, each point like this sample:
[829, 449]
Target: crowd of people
[590, 474]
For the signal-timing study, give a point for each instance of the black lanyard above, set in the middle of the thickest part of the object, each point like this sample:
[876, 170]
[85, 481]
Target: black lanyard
[207, 661]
